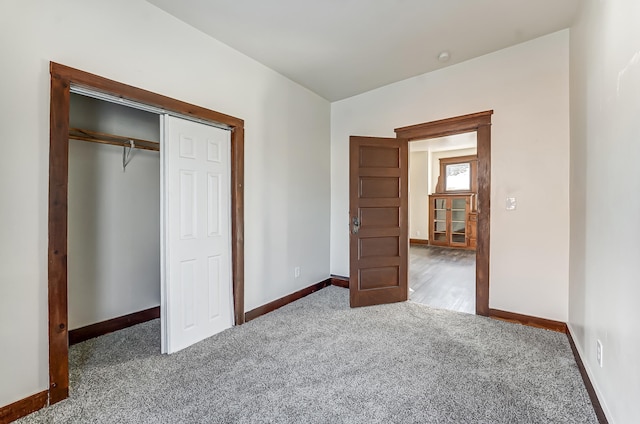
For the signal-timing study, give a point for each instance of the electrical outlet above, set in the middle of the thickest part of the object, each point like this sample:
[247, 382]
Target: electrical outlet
[511, 203]
[418, 233]
[599, 352]
[296, 272]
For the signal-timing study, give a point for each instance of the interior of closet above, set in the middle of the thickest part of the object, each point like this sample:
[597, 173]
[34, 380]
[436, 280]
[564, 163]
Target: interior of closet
[113, 211]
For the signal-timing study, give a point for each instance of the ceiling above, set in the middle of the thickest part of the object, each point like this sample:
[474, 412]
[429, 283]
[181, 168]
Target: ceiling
[340, 48]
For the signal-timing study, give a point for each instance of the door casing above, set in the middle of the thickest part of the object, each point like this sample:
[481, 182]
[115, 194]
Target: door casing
[480, 123]
[62, 77]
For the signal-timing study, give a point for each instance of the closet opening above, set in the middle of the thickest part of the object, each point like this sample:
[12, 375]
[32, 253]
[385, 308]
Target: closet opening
[113, 154]
[113, 217]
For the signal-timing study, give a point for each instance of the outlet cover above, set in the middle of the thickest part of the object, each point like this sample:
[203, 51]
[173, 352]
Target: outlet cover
[599, 352]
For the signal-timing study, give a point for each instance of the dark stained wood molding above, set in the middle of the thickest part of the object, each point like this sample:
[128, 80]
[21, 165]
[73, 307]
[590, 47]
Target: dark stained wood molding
[597, 407]
[480, 123]
[279, 303]
[483, 213]
[62, 77]
[237, 222]
[340, 281]
[79, 335]
[528, 320]
[58, 189]
[419, 241]
[445, 127]
[23, 407]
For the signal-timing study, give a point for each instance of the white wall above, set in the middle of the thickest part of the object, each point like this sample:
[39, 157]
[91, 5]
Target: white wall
[419, 195]
[527, 87]
[114, 216]
[605, 182]
[287, 190]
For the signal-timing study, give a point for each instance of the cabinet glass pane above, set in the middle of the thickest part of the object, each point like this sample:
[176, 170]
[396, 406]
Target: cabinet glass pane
[440, 237]
[441, 215]
[458, 238]
[441, 203]
[458, 215]
[440, 226]
[458, 204]
[458, 227]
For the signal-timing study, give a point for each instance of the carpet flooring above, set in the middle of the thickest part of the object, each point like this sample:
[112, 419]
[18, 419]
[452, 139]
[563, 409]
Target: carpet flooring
[318, 361]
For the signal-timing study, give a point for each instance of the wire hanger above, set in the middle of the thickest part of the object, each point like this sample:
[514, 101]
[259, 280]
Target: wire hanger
[126, 154]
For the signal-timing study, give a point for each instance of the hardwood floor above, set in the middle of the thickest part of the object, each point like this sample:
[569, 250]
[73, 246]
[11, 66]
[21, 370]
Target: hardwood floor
[443, 278]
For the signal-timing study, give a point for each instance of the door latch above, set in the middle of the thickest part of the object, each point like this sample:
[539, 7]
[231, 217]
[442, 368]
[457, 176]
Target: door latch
[356, 225]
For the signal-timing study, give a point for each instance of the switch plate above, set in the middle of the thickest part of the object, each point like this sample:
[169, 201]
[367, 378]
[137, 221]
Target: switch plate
[511, 203]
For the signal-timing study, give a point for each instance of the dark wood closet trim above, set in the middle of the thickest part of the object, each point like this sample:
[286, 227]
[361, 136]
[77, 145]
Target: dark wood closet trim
[23, 407]
[279, 303]
[597, 407]
[82, 334]
[480, 123]
[62, 77]
[528, 320]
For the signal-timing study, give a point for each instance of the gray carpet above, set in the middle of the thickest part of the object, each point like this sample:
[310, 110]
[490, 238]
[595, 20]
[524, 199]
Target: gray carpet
[318, 361]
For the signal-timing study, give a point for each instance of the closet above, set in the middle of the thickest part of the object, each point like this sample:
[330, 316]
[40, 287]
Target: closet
[113, 211]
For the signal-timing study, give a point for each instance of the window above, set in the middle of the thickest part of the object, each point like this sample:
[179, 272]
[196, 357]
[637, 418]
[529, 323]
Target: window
[458, 174]
[458, 177]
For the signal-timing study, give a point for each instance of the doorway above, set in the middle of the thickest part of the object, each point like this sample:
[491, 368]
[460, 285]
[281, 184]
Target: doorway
[442, 222]
[378, 210]
[62, 79]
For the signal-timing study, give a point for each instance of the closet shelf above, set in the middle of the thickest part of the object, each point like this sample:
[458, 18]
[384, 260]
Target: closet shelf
[115, 140]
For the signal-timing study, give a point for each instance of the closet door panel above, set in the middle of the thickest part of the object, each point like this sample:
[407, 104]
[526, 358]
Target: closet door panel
[196, 220]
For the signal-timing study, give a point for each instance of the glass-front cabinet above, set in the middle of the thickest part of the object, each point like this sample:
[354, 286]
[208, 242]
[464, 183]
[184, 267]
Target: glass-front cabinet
[452, 219]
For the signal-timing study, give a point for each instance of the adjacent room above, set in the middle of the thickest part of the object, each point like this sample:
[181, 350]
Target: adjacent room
[297, 211]
[442, 222]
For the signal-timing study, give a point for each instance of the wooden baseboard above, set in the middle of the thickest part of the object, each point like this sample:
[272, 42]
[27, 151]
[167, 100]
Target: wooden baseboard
[101, 328]
[279, 303]
[340, 281]
[530, 321]
[597, 407]
[23, 407]
[418, 241]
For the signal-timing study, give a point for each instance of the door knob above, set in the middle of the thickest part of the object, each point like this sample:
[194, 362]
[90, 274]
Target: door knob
[356, 225]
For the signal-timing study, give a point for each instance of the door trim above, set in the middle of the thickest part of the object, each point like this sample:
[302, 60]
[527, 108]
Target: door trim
[62, 77]
[480, 123]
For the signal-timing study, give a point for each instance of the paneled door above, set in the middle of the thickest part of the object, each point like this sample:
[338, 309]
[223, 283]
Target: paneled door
[378, 203]
[196, 261]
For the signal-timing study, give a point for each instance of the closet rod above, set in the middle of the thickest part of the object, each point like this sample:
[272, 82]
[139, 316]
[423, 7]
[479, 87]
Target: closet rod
[114, 140]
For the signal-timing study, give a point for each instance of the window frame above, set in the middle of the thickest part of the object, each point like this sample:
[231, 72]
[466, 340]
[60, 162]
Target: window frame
[472, 160]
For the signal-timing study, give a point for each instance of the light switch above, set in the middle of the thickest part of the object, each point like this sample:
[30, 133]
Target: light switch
[511, 203]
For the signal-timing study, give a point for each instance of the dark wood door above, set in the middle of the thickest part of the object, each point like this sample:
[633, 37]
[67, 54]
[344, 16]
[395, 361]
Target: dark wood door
[378, 212]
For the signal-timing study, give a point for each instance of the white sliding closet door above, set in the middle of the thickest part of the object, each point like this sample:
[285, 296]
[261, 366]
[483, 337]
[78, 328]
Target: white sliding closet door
[196, 243]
